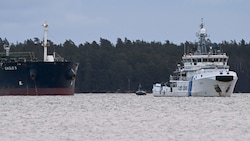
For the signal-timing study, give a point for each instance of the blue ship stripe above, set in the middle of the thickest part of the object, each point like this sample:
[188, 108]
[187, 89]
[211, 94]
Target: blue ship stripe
[190, 86]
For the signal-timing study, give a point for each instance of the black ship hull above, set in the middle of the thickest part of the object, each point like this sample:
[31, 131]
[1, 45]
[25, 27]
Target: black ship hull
[37, 78]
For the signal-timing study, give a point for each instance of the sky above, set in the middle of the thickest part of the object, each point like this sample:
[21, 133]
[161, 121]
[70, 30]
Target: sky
[148, 20]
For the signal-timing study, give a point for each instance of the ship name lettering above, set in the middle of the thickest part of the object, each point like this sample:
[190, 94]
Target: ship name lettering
[10, 68]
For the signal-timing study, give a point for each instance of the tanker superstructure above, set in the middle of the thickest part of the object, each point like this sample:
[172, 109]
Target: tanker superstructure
[22, 74]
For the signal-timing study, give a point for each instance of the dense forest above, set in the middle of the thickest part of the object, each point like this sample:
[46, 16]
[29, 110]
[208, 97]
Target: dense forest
[121, 67]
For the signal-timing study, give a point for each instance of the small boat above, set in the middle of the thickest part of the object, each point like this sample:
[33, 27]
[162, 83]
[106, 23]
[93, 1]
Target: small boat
[140, 91]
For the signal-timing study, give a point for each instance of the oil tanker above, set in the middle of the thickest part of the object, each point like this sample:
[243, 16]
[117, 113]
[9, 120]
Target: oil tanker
[22, 74]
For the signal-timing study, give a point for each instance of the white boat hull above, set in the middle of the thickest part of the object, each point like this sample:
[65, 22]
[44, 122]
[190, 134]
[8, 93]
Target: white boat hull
[203, 72]
[202, 85]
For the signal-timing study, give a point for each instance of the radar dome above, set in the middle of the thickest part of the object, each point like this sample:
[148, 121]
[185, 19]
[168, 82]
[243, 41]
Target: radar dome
[203, 31]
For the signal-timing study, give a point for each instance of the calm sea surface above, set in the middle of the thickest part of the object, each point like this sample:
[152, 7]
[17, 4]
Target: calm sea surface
[94, 117]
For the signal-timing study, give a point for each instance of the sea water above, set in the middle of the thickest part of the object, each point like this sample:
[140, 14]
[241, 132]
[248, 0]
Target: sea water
[113, 117]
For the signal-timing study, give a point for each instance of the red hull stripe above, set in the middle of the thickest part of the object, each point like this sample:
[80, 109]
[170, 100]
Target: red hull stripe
[37, 91]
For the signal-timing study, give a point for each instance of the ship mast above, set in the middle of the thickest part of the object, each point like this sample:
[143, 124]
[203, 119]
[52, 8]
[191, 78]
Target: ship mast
[7, 49]
[202, 34]
[45, 41]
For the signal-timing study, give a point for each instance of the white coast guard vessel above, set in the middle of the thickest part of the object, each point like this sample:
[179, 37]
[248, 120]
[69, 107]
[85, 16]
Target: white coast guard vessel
[204, 73]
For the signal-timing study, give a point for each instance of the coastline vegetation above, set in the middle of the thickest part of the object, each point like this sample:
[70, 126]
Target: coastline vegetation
[121, 67]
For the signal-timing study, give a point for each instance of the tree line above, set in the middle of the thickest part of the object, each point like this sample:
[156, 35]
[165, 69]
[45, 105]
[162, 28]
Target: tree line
[121, 67]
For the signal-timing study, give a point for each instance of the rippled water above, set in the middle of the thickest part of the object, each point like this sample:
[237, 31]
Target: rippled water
[124, 117]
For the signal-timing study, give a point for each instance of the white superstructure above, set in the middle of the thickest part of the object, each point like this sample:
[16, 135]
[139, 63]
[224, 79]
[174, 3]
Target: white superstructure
[204, 73]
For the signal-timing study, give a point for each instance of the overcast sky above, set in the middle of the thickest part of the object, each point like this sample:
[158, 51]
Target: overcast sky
[149, 20]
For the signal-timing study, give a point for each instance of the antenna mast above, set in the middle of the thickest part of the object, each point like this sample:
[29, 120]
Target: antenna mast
[202, 34]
